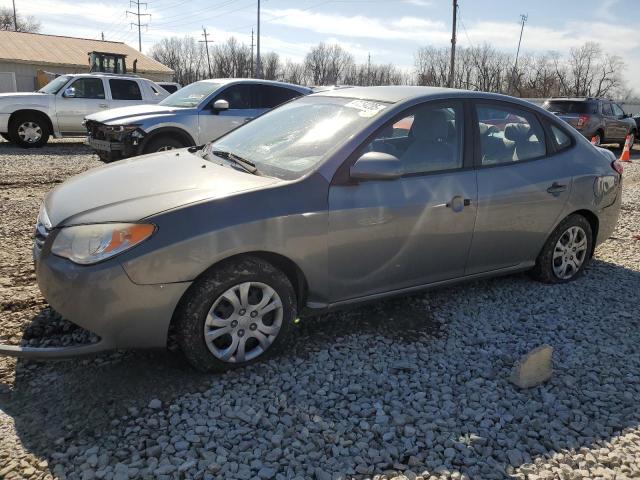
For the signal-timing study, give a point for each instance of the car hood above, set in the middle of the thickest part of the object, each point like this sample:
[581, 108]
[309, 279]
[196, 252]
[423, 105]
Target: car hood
[130, 190]
[134, 113]
[21, 99]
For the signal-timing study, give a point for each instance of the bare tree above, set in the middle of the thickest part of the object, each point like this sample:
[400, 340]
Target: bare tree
[271, 66]
[327, 64]
[25, 24]
[184, 56]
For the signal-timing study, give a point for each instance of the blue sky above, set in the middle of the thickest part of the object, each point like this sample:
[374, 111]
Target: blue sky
[389, 30]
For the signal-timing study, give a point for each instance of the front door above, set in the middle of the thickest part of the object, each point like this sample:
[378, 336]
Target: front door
[86, 97]
[242, 107]
[521, 189]
[392, 234]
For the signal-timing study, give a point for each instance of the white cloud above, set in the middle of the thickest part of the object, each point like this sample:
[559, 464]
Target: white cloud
[418, 3]
[406, 28]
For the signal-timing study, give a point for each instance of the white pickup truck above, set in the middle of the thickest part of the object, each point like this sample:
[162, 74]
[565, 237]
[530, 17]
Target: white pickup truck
[30, 118]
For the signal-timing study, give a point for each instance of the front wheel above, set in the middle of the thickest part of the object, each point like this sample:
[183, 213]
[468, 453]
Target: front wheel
[236, 314]
[566, 252]
[162, 144]
[29, 131]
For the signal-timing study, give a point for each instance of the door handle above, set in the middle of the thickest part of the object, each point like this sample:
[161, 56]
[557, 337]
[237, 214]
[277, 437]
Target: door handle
[103, 105]
[556, 188]
[457, 203]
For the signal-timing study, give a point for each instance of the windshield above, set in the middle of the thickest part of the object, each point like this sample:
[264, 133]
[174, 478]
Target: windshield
[570, 107]
[292, 139]
[191, 95]
[55, 85]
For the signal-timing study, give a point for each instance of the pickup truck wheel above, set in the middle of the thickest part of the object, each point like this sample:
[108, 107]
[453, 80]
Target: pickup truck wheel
[29, 131]
[235, 315]
[161, 144]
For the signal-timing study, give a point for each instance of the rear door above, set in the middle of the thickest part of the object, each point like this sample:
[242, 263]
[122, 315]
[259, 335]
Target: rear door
[270, 96]
[88, 96]
[243, 106]
[522, 188]
[611, 128]
[124, 92]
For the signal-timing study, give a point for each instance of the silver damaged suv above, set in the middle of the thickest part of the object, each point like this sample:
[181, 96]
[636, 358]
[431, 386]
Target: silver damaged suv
[195, 114]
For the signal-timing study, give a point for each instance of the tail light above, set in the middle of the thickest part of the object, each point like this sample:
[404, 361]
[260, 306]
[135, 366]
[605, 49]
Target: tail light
[617, 166]
[582, 120]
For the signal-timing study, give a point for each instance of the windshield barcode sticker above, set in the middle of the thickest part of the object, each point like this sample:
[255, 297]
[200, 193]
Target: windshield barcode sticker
[367, 108]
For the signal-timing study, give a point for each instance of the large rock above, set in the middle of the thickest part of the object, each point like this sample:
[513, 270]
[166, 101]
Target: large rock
[534, 368]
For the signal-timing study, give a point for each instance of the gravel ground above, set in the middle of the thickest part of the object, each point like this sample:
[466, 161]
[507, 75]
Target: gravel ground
[415, 387]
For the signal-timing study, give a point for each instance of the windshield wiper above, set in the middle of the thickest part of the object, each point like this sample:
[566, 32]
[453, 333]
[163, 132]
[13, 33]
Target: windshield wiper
[246, 165]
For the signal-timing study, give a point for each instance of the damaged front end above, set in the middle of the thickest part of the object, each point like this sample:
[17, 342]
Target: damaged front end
[113, 142]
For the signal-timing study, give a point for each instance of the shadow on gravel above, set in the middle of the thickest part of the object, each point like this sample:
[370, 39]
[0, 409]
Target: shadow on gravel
[462, 409]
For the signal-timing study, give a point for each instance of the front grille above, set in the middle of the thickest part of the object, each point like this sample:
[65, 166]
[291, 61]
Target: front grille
[40, 235]
[96, 130]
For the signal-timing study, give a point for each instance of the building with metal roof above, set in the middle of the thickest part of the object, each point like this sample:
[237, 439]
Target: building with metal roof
[22, 55]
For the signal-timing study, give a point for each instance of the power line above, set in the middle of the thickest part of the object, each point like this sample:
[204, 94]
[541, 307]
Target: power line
[137, 3]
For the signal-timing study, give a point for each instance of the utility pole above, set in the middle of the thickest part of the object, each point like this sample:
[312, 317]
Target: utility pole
[253, 68]
[369, 69]
[453, 44]
[258, 61]
[102, 35]
[523, 18]
[206, 42]
[137, 3]
[15, 17]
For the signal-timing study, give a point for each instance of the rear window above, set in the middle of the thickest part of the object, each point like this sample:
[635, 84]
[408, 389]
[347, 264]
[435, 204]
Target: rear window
[564, 107]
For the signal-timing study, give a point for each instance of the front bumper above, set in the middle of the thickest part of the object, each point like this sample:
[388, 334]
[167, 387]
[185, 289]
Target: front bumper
[102, 299]
[113, 144]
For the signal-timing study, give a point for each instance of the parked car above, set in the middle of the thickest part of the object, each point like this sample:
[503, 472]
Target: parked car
[594, 117]
[171, 87]
[316, 205]
[59, 108]
[195, 114]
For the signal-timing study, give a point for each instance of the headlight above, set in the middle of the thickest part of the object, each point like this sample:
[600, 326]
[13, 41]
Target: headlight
[87, 244]
[122, 128]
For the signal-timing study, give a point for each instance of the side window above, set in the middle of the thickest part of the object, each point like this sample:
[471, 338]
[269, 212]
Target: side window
[125, 90]
[617, 111]
[270, 96]
[89, 88]
[238, 96]
[562, 139]
[606, 109]
[427, 139]
[170, 88]
[508, 134]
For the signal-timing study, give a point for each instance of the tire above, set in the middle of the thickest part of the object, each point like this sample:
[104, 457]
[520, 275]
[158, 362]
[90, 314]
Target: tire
[29, 130]
[205, 307]
[161, 144]
[108, 157]
[552, 257]
[599, 137]
[5, 136]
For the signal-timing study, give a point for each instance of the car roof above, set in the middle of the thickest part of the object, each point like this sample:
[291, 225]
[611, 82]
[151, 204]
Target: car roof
[106, 75]
[257, 81]
[397, 94]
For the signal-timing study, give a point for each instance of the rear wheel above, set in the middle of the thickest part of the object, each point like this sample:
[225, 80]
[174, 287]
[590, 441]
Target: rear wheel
[161, 144]
[236, 314]
[597, 138]
[29, 130]
[566, 252]
[5, 136]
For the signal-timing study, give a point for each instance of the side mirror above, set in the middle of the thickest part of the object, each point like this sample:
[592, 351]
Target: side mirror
[69, 92]
[220, 105]
[376, 166]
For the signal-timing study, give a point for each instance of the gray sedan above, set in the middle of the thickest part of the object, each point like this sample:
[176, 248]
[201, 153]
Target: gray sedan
[331, 199]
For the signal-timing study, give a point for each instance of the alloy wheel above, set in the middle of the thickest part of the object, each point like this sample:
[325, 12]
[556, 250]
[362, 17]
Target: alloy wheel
[29, 132]
[570, 252]
[243, 322]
